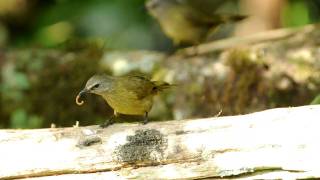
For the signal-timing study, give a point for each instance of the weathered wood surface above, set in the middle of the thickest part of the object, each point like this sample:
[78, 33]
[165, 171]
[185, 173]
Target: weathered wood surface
[276, 143]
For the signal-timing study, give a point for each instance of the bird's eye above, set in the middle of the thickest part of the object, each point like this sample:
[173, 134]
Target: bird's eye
[95, 86]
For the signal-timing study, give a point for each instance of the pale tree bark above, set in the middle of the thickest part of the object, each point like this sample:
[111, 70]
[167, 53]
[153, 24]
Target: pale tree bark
[272, 144]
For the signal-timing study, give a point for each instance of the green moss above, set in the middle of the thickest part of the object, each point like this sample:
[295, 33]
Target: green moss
[245, 79]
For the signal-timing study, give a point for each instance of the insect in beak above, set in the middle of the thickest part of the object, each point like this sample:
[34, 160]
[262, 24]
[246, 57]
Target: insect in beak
[79, 102]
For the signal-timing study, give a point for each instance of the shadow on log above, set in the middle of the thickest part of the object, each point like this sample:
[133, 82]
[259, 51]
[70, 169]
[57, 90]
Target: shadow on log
[272, 144]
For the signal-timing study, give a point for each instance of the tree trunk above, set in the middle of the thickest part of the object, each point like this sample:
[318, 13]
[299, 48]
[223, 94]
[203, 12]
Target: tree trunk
[272, 144]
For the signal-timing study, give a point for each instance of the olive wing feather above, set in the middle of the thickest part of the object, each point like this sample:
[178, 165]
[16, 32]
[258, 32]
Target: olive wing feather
[138, 86]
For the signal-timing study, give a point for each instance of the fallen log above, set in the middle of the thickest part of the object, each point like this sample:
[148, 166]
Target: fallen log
[272, 144]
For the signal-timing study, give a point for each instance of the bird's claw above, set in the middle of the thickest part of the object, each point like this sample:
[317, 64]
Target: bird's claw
[107, 123]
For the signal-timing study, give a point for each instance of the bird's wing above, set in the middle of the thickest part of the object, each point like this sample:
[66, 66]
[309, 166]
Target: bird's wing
[204, 12]
[137, 86]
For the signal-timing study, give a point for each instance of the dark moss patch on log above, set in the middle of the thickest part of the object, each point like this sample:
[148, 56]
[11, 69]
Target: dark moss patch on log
[144, 145]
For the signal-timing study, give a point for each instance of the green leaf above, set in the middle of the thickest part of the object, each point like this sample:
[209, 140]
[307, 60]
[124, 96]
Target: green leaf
[22, 81]
[316, 100]
[18, 118]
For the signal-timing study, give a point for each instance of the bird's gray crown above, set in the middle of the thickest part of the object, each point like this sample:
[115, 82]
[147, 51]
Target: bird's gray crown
[99, 83]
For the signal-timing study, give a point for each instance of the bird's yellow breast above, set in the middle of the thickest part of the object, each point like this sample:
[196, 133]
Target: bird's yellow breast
[128, 103]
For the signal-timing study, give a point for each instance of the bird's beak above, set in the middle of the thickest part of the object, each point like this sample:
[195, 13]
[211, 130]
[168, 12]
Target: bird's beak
[83, 92]
[80, 96]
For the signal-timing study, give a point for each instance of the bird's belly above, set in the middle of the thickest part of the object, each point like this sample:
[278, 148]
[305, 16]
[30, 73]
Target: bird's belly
[130, 106]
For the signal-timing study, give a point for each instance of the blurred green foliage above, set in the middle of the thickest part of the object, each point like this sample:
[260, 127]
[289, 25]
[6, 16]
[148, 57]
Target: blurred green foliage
[296, 14]
[121, 24]
[39, 87]
[316, 100]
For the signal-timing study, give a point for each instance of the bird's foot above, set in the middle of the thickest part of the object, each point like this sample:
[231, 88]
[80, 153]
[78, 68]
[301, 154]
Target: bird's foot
[107, 123]
[145, 119]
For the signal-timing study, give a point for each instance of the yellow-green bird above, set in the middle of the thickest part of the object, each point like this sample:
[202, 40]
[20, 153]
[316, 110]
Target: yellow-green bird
[130, 95]
[189, 21]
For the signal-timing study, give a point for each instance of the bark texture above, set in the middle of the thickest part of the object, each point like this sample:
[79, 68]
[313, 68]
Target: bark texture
[272, 144]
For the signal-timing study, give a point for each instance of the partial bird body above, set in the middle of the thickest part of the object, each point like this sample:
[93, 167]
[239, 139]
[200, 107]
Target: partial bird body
[189, 21]
[178, 26]
[131, 95]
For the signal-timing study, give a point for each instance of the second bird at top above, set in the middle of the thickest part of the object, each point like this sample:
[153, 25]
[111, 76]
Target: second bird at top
[189, 21]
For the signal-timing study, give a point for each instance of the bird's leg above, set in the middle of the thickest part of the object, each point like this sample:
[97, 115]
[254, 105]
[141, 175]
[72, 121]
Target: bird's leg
[145, 120]
[196, 49]
[109, 121]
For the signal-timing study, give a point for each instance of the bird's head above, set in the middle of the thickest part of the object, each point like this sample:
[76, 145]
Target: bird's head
[98, 84]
